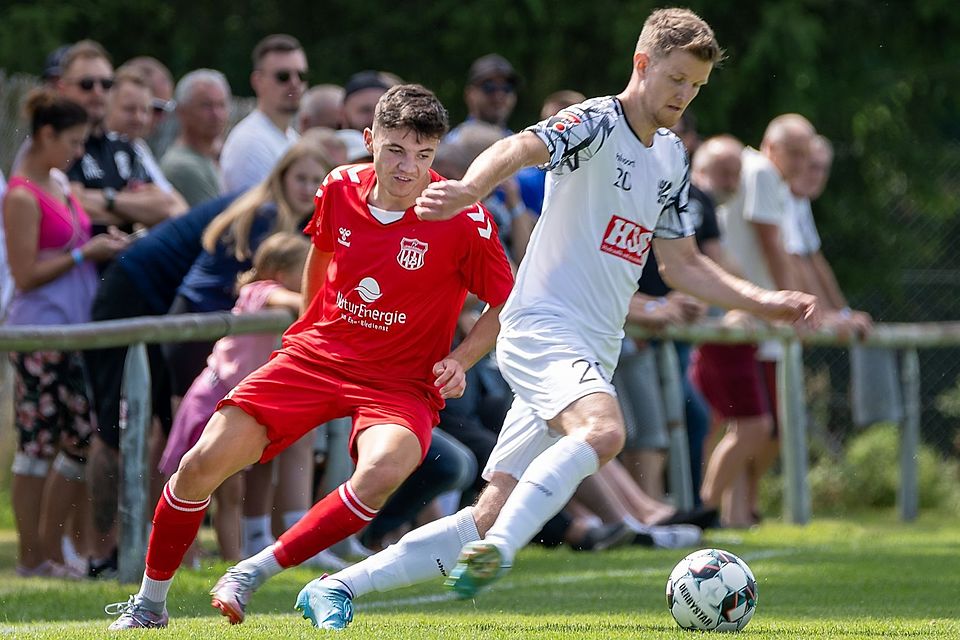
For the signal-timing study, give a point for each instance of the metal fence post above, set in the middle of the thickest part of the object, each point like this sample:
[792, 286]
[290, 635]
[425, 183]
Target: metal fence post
[135, 414]
[908, 494]
[681, 482]
[793, 434]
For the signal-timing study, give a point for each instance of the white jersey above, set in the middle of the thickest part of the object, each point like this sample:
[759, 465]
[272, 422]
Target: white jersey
[763, 197]
[799, 231]
[607, 196]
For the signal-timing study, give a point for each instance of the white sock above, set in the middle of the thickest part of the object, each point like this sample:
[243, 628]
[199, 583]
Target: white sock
[256, 534]
[264, 564]
[546, 485]
[426, 553]
[155, 591]
[291, 518]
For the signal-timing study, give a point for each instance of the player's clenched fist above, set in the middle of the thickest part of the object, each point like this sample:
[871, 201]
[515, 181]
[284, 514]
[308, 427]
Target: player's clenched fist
[451, 378]
[442, 200]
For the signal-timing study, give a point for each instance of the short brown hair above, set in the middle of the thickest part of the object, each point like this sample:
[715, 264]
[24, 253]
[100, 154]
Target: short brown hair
[86, 50]
[281, 42]
[127, 74]
[412, 106]
[669, 29]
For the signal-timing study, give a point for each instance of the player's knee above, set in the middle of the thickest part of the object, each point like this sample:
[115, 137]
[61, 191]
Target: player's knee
[194, 479]
[377, 482]
[607, 440]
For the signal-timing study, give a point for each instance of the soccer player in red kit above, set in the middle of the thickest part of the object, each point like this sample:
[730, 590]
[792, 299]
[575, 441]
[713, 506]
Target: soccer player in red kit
[382, 291]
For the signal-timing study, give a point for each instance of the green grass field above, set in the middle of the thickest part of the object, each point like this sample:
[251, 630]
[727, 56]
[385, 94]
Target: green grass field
[872, 577]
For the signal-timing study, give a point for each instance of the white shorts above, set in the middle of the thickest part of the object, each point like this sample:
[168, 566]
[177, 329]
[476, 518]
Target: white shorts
[548, 368]
[523, 437]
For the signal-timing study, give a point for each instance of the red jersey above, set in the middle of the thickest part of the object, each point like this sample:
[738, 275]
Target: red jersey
[389, 306]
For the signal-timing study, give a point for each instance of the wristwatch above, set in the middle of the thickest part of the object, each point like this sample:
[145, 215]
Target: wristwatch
[110, 197]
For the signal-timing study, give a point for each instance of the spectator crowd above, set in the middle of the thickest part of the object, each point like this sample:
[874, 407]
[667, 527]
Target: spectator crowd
[104, 220]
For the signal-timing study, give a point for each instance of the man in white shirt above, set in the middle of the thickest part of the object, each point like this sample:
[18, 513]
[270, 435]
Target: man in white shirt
[617, 185]
[751, 223]
[254, 145]
[802, 242]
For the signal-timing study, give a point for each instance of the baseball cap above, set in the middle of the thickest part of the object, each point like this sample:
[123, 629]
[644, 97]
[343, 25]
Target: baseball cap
[490, 65]
[51, 66]
[367, 80]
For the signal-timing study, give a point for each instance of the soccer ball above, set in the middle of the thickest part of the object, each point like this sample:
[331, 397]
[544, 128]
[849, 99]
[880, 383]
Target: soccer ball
[712, 590]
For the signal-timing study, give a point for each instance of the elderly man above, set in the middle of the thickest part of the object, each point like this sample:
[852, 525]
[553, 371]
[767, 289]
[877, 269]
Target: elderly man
[203, 106]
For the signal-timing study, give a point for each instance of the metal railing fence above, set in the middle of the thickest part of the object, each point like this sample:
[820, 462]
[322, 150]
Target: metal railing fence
[137, 332]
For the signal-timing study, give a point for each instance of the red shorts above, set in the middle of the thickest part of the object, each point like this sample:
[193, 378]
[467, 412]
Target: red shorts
[732, 381]
[290, 396]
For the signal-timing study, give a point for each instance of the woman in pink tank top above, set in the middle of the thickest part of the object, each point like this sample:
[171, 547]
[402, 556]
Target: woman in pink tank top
[51, 256]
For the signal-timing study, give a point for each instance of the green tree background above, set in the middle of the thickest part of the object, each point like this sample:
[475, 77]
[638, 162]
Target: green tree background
[878, 78]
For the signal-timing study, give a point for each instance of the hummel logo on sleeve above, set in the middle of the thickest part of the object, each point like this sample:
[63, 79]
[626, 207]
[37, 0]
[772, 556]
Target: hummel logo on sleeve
[478, 216]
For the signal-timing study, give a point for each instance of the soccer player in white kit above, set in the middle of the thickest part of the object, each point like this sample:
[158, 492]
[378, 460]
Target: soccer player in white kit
[617, 185]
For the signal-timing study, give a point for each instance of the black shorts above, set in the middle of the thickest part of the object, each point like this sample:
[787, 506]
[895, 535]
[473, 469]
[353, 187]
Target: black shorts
[185, 360]
[116, 299]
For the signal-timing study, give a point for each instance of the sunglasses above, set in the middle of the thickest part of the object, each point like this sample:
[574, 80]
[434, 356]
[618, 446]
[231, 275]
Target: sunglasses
[161, 106]
[283, 76]
[490, 87]
[88, 83]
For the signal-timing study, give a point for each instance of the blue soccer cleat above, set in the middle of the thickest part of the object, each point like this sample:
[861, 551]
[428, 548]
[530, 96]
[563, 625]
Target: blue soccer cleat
[324, 605]
[479, 565]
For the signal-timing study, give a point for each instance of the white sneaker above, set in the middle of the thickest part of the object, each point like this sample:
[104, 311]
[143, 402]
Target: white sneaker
[71, 558]
[672, 536]
[327, 559]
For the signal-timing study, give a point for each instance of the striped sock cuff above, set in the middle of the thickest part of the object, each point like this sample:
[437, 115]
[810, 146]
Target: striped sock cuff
[183, 505]
[354, 503]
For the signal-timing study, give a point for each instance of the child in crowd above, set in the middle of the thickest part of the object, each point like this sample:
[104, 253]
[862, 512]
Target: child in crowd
[273, 282]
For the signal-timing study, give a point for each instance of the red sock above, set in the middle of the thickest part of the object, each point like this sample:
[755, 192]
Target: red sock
[175, 525]
[338, 515]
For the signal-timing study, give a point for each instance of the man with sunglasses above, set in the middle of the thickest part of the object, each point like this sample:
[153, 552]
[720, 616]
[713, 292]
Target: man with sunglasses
[491, 92]
[109, 179]
[279, 79]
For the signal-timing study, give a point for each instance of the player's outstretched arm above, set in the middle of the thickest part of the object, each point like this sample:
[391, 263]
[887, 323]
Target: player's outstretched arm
[684, 268]
[451, 371]
[445, 199]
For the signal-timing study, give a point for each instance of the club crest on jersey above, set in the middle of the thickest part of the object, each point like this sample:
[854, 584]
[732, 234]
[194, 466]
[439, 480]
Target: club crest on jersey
[627, 240]
[411, 253]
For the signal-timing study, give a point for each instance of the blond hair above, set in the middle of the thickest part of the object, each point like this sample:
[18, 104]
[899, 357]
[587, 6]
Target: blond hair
[232, 227]
[281, 252]
[669, 29]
